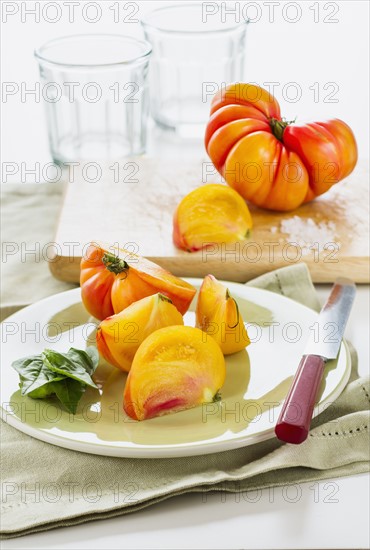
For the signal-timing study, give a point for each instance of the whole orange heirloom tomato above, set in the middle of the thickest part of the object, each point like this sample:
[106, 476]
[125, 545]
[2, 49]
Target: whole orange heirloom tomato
[273, 163]
[112, 278]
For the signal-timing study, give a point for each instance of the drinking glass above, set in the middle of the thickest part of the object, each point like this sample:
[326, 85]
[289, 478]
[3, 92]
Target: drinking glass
[95, 92]
[195, 52]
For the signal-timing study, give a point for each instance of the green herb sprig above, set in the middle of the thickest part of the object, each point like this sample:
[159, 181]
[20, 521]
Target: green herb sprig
[65, 375]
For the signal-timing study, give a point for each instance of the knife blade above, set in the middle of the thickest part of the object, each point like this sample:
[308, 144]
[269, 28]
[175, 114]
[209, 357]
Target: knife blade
[323, 344]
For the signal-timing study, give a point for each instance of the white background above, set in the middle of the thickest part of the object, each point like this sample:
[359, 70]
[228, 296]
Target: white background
[277, 50]
[304, 52]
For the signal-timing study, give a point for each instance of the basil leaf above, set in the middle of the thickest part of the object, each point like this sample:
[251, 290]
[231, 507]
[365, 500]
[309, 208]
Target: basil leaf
[69, 392]
[64, 374]
[75, 364]
[34, 375]
[89, 358]
[43, 391]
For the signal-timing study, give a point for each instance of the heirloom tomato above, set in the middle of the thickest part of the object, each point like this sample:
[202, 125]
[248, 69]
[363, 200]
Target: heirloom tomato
[273, 163]
[174, 369]
[112, 278]
[119, 336]
[218, 315]
[212, 213]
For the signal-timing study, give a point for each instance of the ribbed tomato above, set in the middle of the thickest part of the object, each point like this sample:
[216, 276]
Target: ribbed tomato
[270, 162]
[112, 278]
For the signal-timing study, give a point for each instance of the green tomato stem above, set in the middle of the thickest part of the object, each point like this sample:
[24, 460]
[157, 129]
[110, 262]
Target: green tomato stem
[278, 127]
[114, 264]
[217, 397]
[164, 298]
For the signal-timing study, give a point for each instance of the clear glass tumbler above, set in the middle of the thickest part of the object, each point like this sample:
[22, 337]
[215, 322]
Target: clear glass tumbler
[197, 48]
[96, 95]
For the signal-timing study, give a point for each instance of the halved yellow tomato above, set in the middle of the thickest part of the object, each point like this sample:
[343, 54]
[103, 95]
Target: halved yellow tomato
[212, 213]
[175, 368]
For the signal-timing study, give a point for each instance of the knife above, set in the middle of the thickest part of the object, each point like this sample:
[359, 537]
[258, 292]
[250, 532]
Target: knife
[323, 344]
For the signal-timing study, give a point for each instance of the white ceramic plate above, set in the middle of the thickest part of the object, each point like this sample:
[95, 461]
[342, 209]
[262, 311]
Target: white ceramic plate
[257, 382]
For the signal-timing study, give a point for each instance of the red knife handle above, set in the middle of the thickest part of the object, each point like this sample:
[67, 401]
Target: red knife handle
[295, 418]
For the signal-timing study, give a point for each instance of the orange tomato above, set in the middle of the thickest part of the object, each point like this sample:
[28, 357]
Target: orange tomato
[270, 162]
[119, 336]
[218, 315]
[112, 278]
[96, 283]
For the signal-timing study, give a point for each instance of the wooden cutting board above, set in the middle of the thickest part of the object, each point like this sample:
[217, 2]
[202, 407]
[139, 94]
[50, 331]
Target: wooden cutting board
[330, 234]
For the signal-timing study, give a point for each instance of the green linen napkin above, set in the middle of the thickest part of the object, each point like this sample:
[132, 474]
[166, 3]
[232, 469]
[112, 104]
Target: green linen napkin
[46, 486]
[25, 274]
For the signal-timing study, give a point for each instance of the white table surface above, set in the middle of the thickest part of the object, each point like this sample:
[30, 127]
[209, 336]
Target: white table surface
[330, 514]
